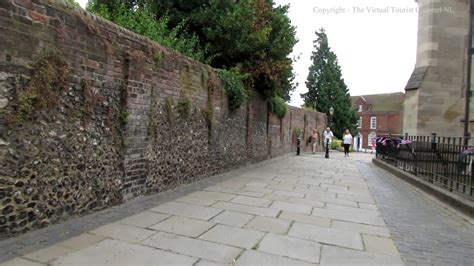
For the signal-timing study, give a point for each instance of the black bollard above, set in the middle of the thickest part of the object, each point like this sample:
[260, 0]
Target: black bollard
[327, 149]
[298, 142]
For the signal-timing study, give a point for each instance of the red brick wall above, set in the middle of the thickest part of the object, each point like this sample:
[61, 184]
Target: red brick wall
[386, 123]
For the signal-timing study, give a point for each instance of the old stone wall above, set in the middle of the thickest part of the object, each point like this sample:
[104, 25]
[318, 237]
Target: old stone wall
[92, 114]
[437, 104]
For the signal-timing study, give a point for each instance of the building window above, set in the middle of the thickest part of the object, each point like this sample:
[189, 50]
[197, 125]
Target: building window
[371, 137]
[359, 123]
[373, 122]
[360, 108]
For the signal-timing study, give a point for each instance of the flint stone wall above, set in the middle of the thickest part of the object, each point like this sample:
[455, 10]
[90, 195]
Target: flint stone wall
[133, 118]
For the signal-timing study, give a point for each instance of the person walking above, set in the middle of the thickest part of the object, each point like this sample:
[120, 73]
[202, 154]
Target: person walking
[314, 140]
[347, 141]
[327, 136]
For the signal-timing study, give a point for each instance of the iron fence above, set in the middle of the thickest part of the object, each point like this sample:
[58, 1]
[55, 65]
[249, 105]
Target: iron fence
[444, 161]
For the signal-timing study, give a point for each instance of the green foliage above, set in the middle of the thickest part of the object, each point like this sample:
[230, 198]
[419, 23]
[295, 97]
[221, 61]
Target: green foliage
[336, 144]
[279, 107]
[298, 132]
[124, 117]
[96, 184]
[234, 87]
[26, 102]
[184, 107]
[158, 58]
[254, 35]
[327, 88]
[49, 76]
[141, 20]
[169, 107]
[72, 3]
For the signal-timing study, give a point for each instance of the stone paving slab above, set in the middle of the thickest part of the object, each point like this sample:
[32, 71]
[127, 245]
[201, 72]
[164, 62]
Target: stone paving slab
[327, 235]
[313, 203]
[193, 247]
[361, 228]
[48, 254]
[360, 211]
[267, 224]
[256, 258]
[183, 226]
[259, 202]
[123, 232]
[294, 207]
[381, 245]
[294, 194]
[81, 241]
[113, 253]
[257, 189]
[188, 210]
[291, 247]
[205, 198]
[144, 219]
[246, 209]
[293, 216]
[349, 203]
[21, 262]
[368, 206]
[233, 236]
[233, 218]
[331, 255]
[349, 216]
[210, 263]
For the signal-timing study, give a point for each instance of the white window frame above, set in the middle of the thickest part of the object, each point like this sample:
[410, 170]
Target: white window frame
[359, 123]
[360, 108]
[370, 137]
[373, 122]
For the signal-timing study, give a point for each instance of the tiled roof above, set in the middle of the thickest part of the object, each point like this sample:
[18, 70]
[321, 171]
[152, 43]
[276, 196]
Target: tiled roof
[387, 102]
[416, 78]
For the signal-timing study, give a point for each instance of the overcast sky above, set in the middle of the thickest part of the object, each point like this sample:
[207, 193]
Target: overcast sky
[374, 40]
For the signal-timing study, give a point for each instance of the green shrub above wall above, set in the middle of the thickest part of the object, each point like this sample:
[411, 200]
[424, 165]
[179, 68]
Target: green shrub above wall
[279, 107]
[298, 132]
[234, 87]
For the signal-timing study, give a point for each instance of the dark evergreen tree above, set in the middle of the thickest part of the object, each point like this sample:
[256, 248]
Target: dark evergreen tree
[327, 88]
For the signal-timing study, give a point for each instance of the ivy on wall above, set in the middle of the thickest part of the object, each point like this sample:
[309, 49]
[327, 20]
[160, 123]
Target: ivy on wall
[279, 107]
[234, 87]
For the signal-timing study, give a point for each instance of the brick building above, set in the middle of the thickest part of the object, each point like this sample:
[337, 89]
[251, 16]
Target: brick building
[378, 114]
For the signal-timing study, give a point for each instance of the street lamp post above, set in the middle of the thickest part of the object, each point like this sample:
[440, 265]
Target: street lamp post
[331, 112]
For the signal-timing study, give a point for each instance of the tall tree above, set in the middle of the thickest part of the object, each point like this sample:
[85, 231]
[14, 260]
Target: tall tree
[326, 87]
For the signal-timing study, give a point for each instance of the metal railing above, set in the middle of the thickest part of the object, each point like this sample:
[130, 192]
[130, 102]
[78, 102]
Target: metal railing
[444, 161]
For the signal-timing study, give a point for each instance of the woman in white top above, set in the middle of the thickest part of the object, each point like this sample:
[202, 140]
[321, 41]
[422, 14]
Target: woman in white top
[347, 141]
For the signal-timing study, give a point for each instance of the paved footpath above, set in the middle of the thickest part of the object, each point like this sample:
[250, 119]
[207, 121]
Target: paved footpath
[304, 210]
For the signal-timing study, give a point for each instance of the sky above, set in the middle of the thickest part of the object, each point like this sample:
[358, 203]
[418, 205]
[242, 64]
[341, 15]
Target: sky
[374, 40]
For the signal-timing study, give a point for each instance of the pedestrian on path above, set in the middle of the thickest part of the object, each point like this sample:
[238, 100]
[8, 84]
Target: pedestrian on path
[314, 140]
[327, 136]
[347, 141]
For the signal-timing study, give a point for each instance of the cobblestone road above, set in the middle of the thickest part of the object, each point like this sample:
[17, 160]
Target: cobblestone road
[291, 210]
[425, 232]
